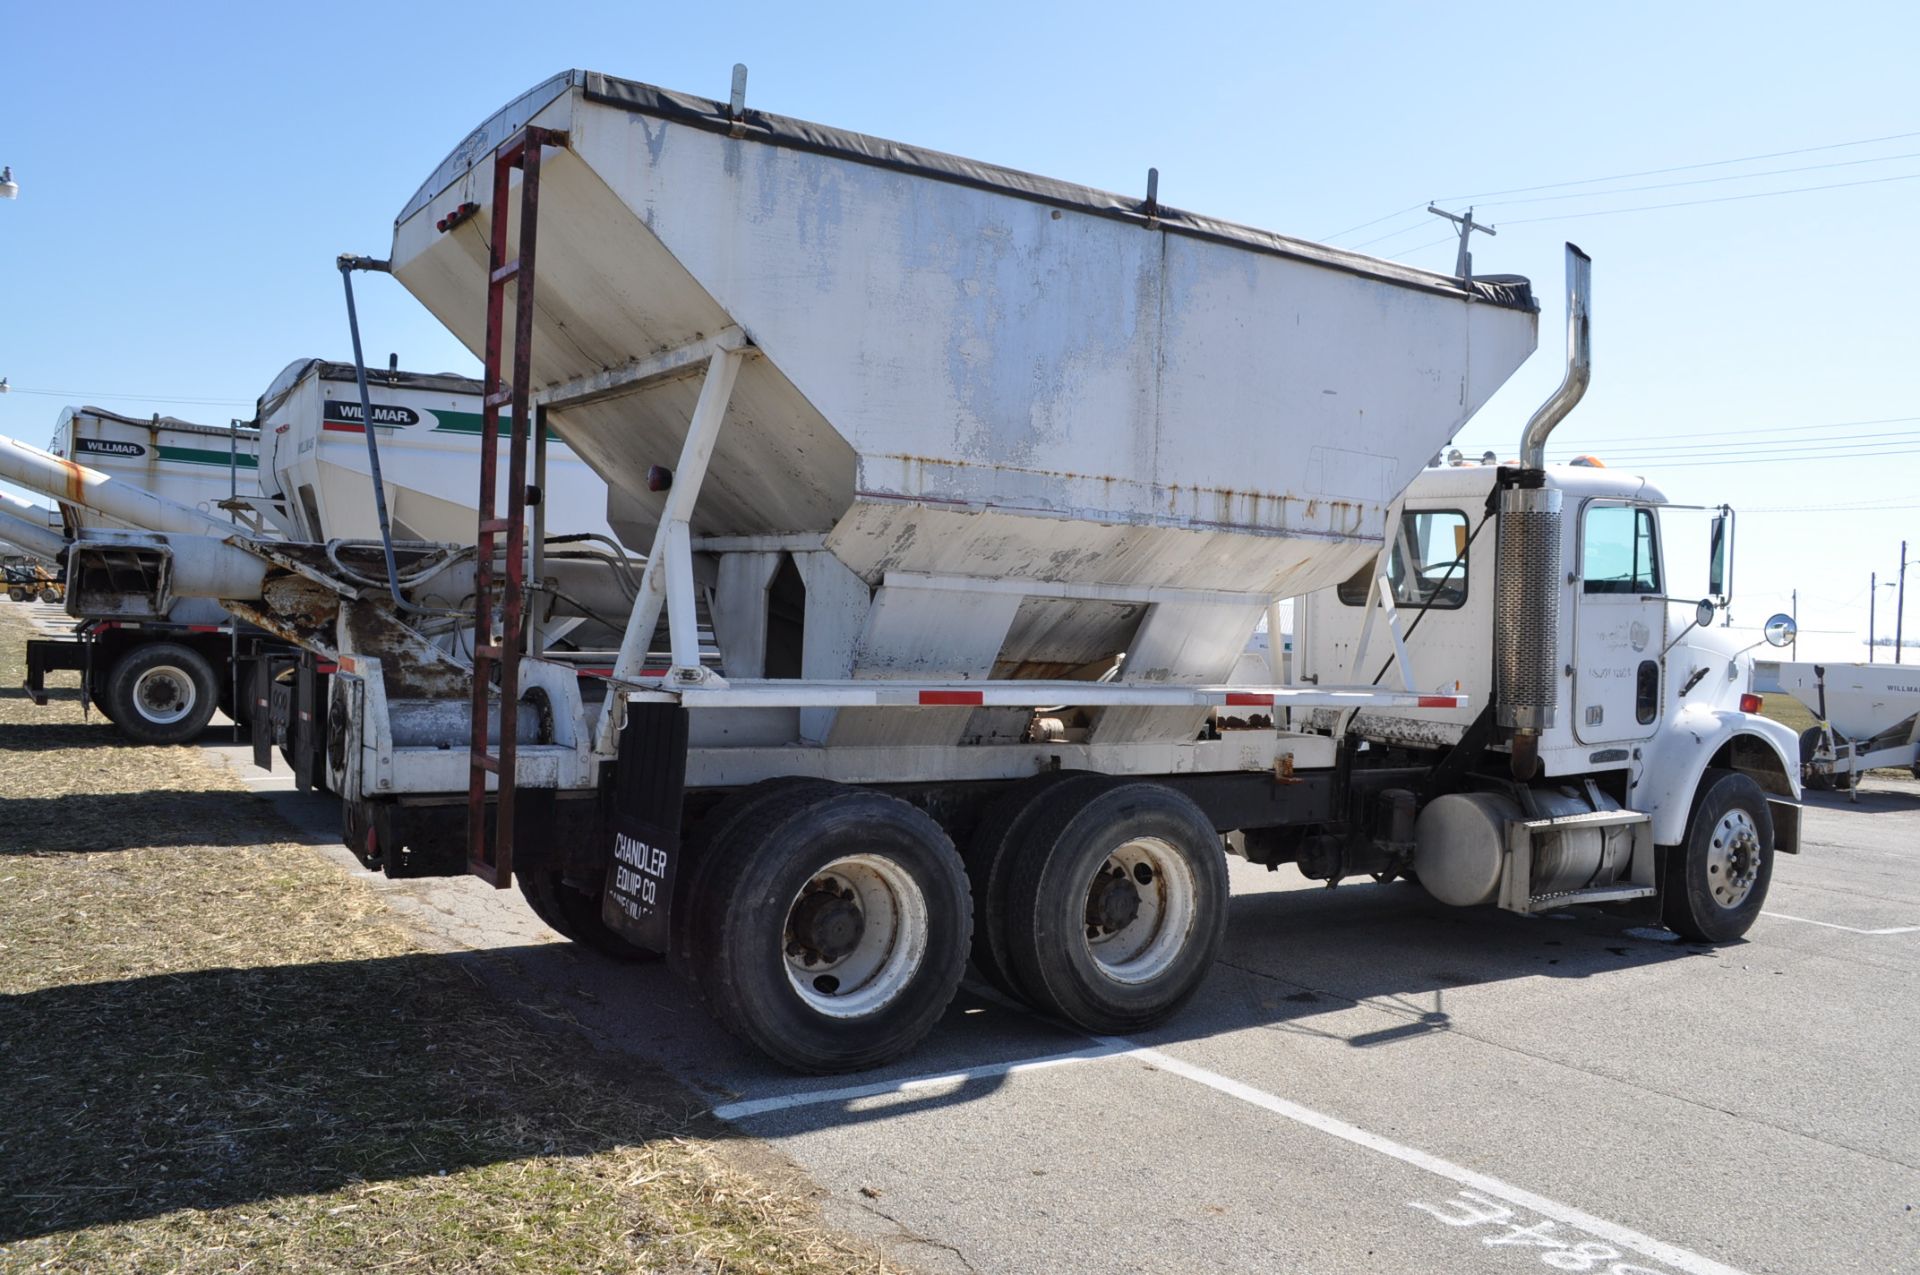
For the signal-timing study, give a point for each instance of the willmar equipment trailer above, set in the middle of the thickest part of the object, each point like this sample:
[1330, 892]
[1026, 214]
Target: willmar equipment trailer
[962, 491]
[299, 469]
[157, 677]
[1868, 716]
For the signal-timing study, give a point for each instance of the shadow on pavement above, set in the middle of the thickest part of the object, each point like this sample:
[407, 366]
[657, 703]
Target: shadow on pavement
[1292, 958]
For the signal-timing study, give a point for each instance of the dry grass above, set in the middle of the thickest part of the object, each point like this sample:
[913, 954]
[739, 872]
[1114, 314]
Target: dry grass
[222, 1056]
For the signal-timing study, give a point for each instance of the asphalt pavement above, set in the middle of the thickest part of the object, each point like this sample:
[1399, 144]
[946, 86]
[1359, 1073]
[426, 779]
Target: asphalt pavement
[1370, 1081]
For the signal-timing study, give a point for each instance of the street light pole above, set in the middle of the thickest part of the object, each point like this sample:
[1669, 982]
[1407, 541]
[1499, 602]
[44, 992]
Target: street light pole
[1900, 604]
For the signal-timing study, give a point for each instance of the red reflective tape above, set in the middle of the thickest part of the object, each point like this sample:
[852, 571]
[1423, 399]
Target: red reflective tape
[1439, 701]
[1248, 698]
[203, 628]
[324, 667]
[952, 697]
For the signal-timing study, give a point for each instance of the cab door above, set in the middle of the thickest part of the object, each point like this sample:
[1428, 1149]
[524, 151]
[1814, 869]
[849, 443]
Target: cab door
[1620, 624]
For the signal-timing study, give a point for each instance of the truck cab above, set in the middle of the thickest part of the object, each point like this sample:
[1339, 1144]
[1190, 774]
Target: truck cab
[1651, 698]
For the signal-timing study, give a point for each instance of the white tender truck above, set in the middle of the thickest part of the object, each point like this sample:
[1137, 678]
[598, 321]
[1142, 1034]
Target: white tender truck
[962, 492]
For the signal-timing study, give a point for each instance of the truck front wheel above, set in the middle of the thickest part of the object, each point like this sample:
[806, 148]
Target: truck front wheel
[161, 693]
[839, 922]
[1716, 884]
[1118, 904]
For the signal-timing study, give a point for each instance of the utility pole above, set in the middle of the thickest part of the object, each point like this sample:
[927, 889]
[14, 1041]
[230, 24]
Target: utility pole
[1900, 603]
[1873, 600]
[1463, 260]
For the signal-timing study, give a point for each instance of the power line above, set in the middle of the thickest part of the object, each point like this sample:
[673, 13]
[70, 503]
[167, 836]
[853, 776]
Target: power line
[1820, 509]
[1395, 234]
[1682, 168]
[1376, 221]
[1723, 199]
[1639, 443]
[1616, 460]
[1682, 451]
[145, 398]
[1704, 181]
[1783, 429]
[1645, 172]
[1774, 460]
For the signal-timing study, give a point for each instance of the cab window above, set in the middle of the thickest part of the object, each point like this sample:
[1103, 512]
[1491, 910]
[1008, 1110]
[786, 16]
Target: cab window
[1618, 551]
[1428, 565]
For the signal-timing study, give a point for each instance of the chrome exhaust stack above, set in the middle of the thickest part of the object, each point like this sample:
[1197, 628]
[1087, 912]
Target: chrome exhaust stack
[1527, 583]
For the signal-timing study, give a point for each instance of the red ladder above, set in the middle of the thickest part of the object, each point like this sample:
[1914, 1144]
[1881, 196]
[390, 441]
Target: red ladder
[499, 648]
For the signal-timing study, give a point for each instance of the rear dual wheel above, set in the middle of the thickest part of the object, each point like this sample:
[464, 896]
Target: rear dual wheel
[828, 925]
[1105, 901]
[575, 914]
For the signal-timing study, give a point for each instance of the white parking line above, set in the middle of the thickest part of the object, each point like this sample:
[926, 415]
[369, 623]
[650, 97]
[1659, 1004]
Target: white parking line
[1645, 1245]
[1117, 1047]
[1829, 925]
[817, 1097]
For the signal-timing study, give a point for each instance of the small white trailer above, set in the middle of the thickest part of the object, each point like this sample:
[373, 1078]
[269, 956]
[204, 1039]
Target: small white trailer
[1868, 716]
[961, 492]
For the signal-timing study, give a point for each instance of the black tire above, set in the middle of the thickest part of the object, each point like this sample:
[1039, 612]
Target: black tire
[161, 693]
[17, 594]
[1051, 895]
[1716, 884]
[320, 783]
[97, 696]
[1005, 825]
[576, 915]
[893, 864]
[694, 915]
[1809, 744]
[49, 595]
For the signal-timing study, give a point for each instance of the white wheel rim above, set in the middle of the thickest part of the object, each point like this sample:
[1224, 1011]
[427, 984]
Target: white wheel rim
[1148, 944]
[1733, 859]
[164, 694]
[891, 945]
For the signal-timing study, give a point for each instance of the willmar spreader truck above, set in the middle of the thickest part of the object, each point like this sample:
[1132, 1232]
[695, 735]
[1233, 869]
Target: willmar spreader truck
[299, 469]
[961, 492]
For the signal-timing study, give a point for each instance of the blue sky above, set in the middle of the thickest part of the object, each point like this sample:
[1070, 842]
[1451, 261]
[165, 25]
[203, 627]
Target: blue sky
[188, 173]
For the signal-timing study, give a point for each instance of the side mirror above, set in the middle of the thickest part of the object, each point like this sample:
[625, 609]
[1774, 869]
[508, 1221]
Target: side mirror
[1717, 557]
[1703, 613]
[1780, 630]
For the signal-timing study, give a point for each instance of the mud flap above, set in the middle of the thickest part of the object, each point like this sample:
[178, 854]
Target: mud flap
[643, 795]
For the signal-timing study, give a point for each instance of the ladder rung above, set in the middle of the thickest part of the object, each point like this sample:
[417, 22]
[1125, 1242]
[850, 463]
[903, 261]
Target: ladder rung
[486, 651]
[486, 761]
[506, 272]
[496, 525]
[499, 397]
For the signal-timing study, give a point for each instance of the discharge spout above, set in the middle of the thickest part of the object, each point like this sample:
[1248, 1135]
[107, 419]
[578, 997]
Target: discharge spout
[74, 484]
[18, 528]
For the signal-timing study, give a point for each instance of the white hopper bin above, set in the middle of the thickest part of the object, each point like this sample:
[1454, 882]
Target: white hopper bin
[194, 465]
[314, 454]
[1010, 426]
